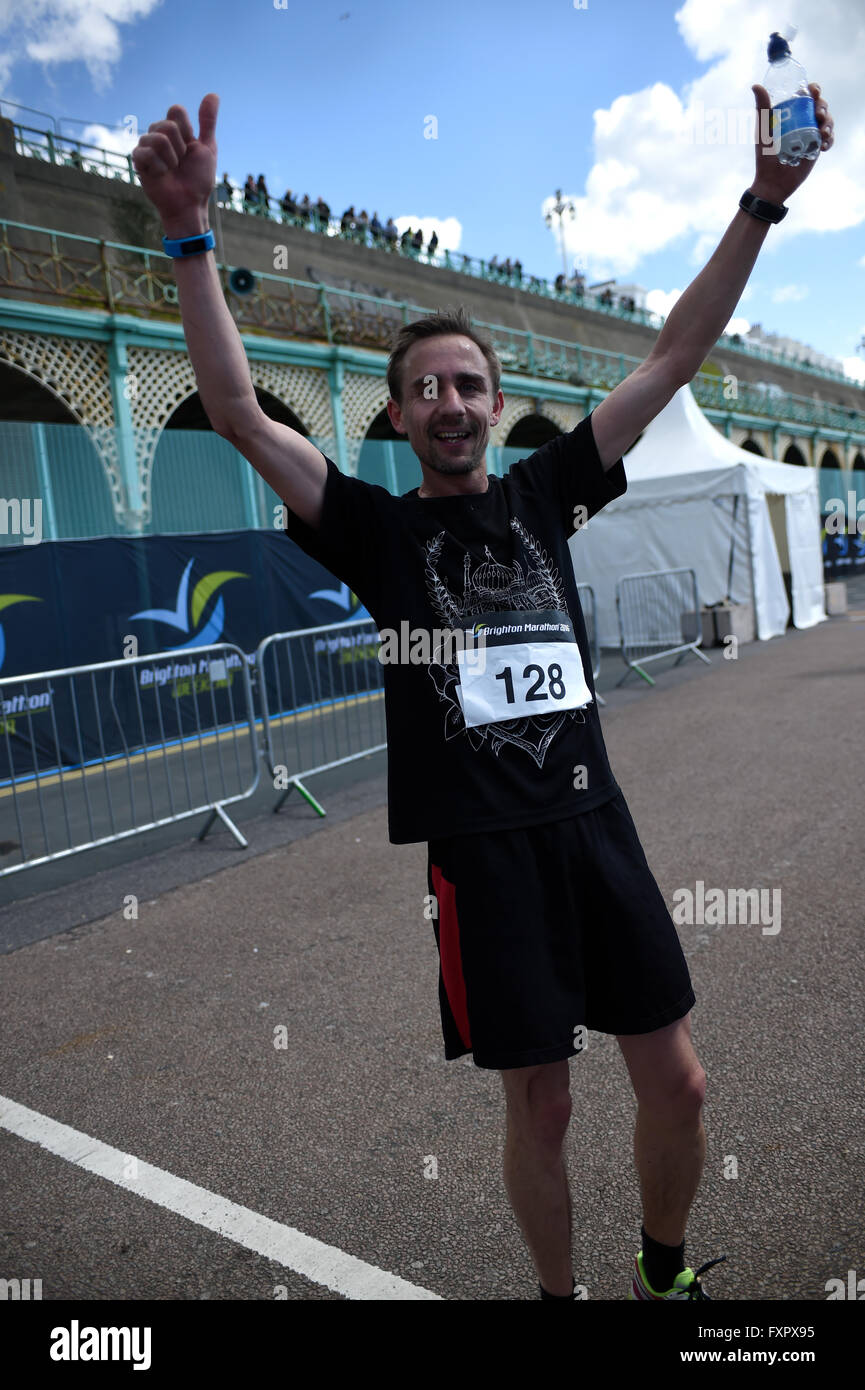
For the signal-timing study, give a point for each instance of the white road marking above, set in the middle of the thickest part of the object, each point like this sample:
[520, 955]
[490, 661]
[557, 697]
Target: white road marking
[322, 1264]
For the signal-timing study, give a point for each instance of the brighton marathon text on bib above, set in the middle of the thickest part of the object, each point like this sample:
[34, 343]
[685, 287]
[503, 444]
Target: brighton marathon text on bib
[522, 663]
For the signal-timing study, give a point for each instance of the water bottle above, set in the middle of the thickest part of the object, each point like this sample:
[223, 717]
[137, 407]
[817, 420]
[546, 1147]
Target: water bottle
[794, 121]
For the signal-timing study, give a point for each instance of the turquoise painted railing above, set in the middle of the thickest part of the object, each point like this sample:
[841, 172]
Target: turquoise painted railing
[125, 279]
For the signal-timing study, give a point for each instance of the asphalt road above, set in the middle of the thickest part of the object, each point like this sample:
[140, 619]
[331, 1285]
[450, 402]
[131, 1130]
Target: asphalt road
[155, 1035]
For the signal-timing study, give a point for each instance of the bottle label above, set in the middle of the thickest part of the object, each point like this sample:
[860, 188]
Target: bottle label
[796, 114]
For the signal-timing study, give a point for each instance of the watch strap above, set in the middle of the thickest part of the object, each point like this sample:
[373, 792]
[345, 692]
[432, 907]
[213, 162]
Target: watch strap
[760, 208]
[189, 245]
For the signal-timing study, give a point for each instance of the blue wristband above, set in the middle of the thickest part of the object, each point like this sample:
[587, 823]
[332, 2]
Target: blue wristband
[189, 245]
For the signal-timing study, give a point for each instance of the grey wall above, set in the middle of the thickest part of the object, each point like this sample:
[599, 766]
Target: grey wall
[53, 196]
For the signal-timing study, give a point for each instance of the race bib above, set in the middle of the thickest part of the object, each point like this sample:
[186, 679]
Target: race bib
[516, 664]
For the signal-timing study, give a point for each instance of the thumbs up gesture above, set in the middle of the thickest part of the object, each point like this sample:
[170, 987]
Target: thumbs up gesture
[177, 171]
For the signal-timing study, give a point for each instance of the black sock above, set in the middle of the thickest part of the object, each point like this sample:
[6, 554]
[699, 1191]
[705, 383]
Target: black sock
[562, 1297]
[661, 1262]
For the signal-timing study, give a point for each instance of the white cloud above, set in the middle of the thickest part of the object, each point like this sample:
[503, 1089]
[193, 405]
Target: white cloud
[450, 230]
[854, 367]
[117, 141]
[662, 301]
[671, 165]
[786, 294]
[64, 31]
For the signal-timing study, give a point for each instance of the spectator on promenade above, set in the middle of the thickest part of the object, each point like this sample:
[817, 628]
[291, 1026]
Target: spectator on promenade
[346, 222]
[263, 195]
[224, 192]
[288, 205]
[75, 158]
[322, 215]
[376, 230]
[250, 194]
[391, 233]
[493, 265]
[432, 246]
[417, 241]
[405, 240]
[579, 285]
[304, 210]
[507, 269]
[560, 284]
[518, 272]
[607, 297]
[362, 226]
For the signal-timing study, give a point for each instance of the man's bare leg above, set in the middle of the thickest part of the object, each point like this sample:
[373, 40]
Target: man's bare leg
[669, 1138]
[538, 1112]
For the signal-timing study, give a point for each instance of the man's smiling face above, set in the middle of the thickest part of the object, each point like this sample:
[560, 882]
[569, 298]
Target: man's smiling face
[447, 411]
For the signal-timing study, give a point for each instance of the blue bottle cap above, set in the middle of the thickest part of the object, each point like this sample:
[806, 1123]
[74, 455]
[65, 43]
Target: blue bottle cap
[778, 48]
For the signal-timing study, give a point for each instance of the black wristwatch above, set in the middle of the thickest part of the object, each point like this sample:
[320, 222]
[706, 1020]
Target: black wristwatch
[758, 207]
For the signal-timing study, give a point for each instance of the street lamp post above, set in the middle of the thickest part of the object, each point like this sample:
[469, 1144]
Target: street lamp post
[559, 209]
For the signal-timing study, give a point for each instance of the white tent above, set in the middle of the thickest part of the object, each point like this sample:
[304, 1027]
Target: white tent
[695, 499]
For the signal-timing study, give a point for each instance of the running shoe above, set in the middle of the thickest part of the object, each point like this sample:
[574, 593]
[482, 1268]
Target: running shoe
[686, 1285]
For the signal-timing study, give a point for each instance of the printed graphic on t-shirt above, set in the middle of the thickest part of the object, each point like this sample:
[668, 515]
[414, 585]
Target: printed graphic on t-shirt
[494, 587]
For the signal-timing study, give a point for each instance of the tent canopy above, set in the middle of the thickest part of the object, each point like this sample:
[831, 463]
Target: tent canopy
[681, 441]
[695, 499]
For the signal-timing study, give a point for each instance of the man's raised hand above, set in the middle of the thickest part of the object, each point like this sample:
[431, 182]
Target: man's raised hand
[176, 170]
[774, 180]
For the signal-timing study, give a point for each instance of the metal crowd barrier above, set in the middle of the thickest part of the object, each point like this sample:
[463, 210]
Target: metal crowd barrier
[587, 603]
[97, 753]
[659, 615]
[94, 754]
[322, 701]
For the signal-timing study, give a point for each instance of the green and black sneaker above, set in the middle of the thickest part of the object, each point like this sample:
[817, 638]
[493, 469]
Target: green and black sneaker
[685, 1286]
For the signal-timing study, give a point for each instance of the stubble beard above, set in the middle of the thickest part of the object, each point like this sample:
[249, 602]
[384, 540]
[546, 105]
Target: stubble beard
[451, 467]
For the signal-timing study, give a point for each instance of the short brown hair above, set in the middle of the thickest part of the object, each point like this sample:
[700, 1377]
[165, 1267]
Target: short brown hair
[446, 321]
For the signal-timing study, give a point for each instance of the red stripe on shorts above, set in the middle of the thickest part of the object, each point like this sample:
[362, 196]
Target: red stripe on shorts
[449, 952]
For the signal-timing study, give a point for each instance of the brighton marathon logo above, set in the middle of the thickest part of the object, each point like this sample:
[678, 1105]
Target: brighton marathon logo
[179, 616]
[520, 629]
[351, 646]
[344, 598]
[418, 646]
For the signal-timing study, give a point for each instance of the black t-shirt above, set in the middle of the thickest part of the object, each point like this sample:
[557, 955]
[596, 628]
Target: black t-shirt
[438, 563]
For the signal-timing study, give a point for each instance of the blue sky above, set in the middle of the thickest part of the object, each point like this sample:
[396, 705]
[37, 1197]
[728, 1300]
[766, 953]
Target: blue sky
[334, 98]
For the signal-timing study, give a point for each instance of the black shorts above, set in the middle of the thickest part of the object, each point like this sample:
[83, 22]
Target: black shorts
[544, 929]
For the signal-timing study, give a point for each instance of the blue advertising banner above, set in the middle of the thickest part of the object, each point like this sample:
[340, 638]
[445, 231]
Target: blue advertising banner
[73, 603]
[843, 548]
